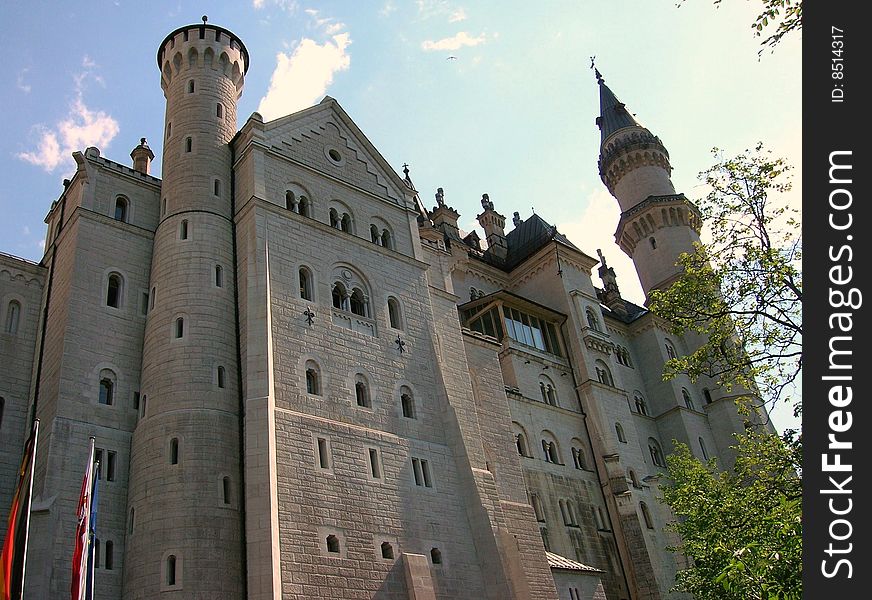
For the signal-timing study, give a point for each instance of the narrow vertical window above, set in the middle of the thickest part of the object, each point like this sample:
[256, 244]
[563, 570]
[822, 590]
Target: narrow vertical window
[174, 451]
[13, 315]
[216, 187]
[305, 284]
[219, 276]
[290, 201]
[131, 521]
[96, 553]
[225, 489]
[345, 224]
[703, 449]
[332, 544]
[653, 243]
[190, 86]
[113, 291]
[2, 408]
[143, 303]
[387, 551]
[416, 472]
[374, 465]
[373, 234]
[180, 327]
[183, 229]
[323, 454]
[109, 558]
[110, 465]
[361, 393]
[221, 377]
[386, 240]
[189, 144]
[436, 556]
[171, 570]
[107, 390]
[707, 395]
[305, 207]
[219, 110]
[151, 298]
[425, 472]
[163, 207]
[121, 209]
[394, 313]
[169, 129]
[142, 407]
[646, 515]
[619, 430]
[313, 379]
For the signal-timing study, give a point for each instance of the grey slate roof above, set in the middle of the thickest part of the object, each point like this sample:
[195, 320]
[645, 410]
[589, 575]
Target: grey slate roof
[613, 113]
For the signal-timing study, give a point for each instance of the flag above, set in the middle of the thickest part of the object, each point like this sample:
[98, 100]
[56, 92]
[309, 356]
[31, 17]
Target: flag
[92, 536]
[12, 558]
[78, 585]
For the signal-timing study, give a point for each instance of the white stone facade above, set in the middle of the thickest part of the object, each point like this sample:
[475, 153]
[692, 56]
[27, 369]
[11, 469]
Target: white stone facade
[304, 399]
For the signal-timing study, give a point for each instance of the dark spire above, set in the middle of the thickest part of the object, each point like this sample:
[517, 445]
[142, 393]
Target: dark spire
[613, 113]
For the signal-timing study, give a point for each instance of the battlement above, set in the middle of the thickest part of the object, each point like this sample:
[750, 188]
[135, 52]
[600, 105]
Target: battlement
[202, 45]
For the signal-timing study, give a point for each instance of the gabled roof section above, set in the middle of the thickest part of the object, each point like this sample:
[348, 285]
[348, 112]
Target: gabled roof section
[634, 311]
[310, 122]
[613, 114]
[555, 561]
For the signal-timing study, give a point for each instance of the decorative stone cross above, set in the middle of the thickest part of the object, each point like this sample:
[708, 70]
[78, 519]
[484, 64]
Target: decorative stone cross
[401, 345]
[310, 316]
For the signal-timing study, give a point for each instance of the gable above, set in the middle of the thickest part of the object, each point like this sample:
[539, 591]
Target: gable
[325, 138]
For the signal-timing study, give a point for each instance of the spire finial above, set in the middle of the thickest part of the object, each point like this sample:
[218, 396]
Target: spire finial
[601, 257]
[406, 169]
[205, 18]
[599, 77]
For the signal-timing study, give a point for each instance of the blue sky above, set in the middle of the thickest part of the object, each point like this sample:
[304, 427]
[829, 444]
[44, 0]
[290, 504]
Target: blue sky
[512, 115]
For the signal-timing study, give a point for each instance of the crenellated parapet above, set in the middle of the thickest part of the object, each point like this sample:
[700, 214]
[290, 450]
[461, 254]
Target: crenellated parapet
[629, 149]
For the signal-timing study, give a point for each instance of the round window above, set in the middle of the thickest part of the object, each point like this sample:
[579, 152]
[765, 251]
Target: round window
[334, 156]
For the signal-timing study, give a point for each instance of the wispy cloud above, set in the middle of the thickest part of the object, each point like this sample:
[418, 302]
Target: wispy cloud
[81, 128]
[20, 82]
[453, 43]
[457, 16]
[388, 8]
[287, 5]
[301, 77]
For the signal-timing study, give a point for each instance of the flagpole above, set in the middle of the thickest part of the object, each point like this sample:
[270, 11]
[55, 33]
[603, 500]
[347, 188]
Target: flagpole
[95, 472]
[29, 502]
[78, 588]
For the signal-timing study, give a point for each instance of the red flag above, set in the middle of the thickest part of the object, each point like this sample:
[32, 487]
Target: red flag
[78, 587]
[12, 558]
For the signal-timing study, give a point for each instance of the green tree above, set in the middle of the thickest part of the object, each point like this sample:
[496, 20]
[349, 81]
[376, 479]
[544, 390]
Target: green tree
[742, 291]
[742, 529]
[784, 15]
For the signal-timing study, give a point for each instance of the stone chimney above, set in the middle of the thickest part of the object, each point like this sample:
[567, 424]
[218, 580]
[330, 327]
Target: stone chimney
[142, 157]
[494, 225]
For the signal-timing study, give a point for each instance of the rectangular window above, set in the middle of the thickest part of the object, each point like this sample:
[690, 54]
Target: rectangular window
[416, 469]
[425, 470]
[135, 400]
[323, 454]
[98, 458]
[374, 463]
[143, 305]
[110, 465]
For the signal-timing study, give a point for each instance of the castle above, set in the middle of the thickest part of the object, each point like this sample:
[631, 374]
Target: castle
[304, 383]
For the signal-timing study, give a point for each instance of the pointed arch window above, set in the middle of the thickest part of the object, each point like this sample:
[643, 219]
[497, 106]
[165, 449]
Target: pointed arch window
[13, 316]
[619, 431]
[641, 406]
[361, 392]
[646, 515]
[592, 321]
[688, 401]
[703, 449]
[656, 452]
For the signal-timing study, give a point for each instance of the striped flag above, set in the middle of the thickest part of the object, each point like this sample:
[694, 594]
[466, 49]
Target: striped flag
[92, 535]
[79, 584]
[12, 558]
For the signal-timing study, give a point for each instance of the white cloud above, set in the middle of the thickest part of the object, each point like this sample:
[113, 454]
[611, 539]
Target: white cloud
[453, 43]
[388, 8]
[595, 228]
[302, 77]
[457, 16]
[257, 3]
[20, 83]
[83, 127]
[287, 5]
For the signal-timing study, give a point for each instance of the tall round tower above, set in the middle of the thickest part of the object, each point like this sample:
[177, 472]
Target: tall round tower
[185, 524]
[657, 224]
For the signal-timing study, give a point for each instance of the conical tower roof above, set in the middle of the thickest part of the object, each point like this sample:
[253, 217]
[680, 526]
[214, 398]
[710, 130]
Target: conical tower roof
[613, 114]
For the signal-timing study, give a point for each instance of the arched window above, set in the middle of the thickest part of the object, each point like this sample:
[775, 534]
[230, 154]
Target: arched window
[633, 478]
[592, 321]
[702, 447]
[387, 551]
[334, 218]
[189, 144]
[619, 430]
[107, 388]
[394, 314]
[688, 402]
[191, 84]
[219, 276]
[183, 229]
[361, 392]
[550, 448]
[670, 349]
[547, 391]
[563, 512]
[313, 378]
[521, 444]
[653, 243]
[655, 452]
[579, 458]
[646, 515]
[304, 207]
[373, 234]
[345, 223]
[603, 374]
[179, 329]
[340, 296]
[216, 187]
[221, 377]
[359, 303]
[121, 209]
[305, 284]
[332, 543]
[13, 316]
[707, 395]
[436, 556]
[174, 451]
[113, 290]
[219, 110]
[386, 240]
[171, 570]
[407, 402]
[290, 201]
[641, 406]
